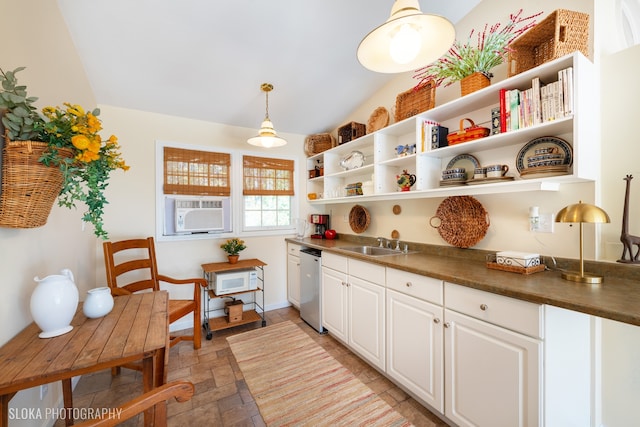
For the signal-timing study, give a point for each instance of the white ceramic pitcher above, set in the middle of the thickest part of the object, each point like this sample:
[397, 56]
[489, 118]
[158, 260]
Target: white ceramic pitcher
[54, 303]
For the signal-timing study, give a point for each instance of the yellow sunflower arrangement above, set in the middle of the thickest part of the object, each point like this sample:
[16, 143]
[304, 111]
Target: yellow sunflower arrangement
[86, 173]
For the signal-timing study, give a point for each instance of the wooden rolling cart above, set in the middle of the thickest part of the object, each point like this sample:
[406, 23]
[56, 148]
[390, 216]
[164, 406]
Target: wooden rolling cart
[212, 324]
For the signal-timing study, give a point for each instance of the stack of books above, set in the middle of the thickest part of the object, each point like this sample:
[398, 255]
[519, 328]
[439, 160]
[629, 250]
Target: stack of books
[539, 104]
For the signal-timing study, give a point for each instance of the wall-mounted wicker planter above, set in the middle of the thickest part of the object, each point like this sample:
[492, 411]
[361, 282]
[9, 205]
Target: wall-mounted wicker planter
[29, 188]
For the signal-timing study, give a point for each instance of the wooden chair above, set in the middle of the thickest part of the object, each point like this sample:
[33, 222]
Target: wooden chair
[181, 390]
[134, 261]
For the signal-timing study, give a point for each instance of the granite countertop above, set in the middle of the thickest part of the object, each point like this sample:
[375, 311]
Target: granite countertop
[617, 298]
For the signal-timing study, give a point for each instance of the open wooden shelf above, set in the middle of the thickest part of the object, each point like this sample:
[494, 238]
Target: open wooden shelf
[219, 323]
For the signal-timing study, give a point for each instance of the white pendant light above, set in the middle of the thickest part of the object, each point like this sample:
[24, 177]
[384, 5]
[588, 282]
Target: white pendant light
[408, 40]
[267, 137]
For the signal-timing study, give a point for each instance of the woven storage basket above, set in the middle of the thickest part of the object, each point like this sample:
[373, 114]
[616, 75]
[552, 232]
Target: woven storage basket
[29, 188]
[351, 131]
[467, 134]
[315, 144]
[474, 82]
[560, 33]
[415, 101]
[463, 221]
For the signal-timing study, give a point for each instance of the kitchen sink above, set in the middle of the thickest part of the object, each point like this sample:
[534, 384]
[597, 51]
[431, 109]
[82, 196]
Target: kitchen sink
[374, 250]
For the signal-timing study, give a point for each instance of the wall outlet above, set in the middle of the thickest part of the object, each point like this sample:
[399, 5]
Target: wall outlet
[545, 223]
[44, 389]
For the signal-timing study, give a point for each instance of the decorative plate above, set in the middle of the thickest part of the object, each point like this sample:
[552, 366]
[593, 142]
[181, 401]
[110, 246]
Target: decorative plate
[466, 161]
[378, 120]
[529, 150]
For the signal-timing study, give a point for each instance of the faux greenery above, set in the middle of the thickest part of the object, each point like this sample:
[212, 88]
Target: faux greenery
[233, 246]
[87, 170]
[21, 116]
[489, 50]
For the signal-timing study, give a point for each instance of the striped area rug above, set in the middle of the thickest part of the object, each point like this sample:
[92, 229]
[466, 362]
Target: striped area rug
[295, 382]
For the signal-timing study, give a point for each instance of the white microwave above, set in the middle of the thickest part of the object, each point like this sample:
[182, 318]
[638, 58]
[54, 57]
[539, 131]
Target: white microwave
[228, 282]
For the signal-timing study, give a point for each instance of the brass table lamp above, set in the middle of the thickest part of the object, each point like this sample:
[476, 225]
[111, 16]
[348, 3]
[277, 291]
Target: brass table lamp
[582, 212]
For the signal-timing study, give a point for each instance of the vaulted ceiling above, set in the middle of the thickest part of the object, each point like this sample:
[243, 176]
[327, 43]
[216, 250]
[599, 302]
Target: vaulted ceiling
[206, 59]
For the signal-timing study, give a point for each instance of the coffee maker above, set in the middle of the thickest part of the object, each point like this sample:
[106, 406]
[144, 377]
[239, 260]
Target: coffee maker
[322, 224]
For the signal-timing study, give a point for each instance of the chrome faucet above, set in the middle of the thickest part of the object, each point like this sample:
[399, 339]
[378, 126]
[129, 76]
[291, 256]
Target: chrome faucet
[382, 242]
[397, 247]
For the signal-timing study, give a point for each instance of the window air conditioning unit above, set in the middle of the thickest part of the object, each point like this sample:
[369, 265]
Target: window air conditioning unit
[199, 215]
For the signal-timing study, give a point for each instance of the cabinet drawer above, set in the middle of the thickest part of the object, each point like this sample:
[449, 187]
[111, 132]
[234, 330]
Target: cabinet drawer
[373, 273]
[510, 313]
[422, 287]
[334, 262]
[293, 249]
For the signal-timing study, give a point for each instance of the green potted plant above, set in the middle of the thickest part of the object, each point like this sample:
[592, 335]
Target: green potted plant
[471, 63]
[232, 247]
[64, 143]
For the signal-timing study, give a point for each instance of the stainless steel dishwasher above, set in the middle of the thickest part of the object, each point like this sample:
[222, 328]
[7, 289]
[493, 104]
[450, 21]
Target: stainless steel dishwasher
[310, 301]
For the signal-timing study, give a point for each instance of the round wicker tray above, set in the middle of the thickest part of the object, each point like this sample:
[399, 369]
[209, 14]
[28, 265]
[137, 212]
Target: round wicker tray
[359, 219]
[463, 221]
[378, 120]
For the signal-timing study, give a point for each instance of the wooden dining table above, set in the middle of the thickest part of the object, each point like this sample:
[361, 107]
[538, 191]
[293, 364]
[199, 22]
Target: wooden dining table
[137, 329]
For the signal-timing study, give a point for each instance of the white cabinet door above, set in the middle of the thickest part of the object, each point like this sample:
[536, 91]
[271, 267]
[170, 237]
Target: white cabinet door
[414, 346]
[492, 375]
[293, 280]
[366, 308]
[334, 303]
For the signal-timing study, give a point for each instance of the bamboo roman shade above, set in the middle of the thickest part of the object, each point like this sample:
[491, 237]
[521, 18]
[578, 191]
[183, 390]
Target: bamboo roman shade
[264, 176]
[193, 172]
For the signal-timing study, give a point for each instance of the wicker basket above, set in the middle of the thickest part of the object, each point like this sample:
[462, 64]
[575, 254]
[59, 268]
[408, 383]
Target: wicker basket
[463, 221]
[359, 219]
[474, 82]
[29, 188]
[351, 131]
[559, 34]
[467, 134]
[315, 144]
[415, 100]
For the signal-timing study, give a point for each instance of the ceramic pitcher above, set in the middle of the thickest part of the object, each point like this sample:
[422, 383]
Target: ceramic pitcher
[54, 303]
[98, 303]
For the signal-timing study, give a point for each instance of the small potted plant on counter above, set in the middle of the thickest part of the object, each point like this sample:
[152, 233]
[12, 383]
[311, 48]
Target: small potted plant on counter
[232, 247]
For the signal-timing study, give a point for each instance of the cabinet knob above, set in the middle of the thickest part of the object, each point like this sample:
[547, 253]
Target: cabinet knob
[436, 320]
[484, 307]
[344, 284]
[446, 324]
[409, 284]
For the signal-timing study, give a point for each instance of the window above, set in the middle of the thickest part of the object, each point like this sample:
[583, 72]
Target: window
[267, 192]
[193, 172]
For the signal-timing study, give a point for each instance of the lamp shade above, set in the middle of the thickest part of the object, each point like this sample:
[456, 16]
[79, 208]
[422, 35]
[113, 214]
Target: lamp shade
[408, 40]
[267, 136]
[582, 212]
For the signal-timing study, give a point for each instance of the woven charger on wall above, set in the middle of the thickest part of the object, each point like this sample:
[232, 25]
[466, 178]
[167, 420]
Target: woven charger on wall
[359, 219]
[463, 221]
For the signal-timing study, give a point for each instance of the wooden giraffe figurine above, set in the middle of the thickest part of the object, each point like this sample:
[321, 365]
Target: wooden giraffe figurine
[628, 241]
